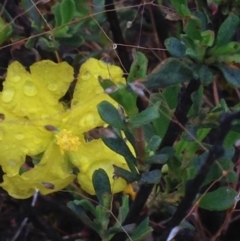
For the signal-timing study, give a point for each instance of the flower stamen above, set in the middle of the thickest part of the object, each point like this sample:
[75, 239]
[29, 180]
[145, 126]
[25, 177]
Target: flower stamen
[67, 141]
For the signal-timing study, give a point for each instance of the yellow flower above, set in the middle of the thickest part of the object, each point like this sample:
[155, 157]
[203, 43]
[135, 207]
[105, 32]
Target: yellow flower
[27, 103]
[33, 105]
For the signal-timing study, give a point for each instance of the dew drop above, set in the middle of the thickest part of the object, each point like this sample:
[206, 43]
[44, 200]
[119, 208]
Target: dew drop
[24, 150]
[16, 78]
[19, 136]
[52, 86]
[87, 120]
[115, 177]
[129, 24]
[85, 75]
[114, 46]
[29, 89]
[7, 95]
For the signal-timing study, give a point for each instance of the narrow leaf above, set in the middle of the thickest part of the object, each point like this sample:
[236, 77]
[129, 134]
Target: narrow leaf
[139, 66]
[67, 10]
[102, 187]
[148, 115]
[227, 29]
[110, 115]
[172, 72]
[119, 146]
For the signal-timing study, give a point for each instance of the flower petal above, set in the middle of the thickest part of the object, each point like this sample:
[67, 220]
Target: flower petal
[36, 94]
[19, 137]
[117, 184]
[50, 175]
[88, 86]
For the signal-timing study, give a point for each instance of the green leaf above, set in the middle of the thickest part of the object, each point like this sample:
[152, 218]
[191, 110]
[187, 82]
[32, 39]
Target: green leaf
[151, 177]
[148, 115]
[196, 97]
[126, 175]
[207, 38]
[47, 45]
[67, 11]
[124, 209]
[232, 75]
[175, 47]
[229, 48]
[227, 30]
[61, 32]
[119, 146]
[193, 28]
[181, 7]
[102, 187]
[172, 72]
[5, 31]
[57, 15]
[154, 143]
[141, 231]
[74, 41]
[157, 159]
[217, 169]
[221, 199]
[139, 66]
[30, 9]
[121, 95]
[110, 115]
[205, 74]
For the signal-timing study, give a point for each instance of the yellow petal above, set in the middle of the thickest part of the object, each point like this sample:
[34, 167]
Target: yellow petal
[19, 137]
[117, 184]
[84, 117]
[92, 156]
[36, 94]
[88, 86]
[52, 174]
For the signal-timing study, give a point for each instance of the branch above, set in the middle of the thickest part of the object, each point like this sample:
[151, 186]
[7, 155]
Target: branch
[173, 131]
[117, 34]
[193, 187]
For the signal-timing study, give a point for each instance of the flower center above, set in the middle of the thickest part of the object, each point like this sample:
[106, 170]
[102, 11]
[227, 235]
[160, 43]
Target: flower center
[67, 141]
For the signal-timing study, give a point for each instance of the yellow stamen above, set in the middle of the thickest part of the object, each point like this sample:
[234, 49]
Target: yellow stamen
[67, 141]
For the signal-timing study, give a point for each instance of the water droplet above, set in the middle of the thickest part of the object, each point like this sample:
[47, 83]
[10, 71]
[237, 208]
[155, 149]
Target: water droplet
[16, 78]
[86, 75]
[106, 60]
[115, 177]
[24, 150]
[129, 24]
[52, 86]
[114, 46]
[29, 89]
[87, 120]
[7, 95]
[19, 136]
